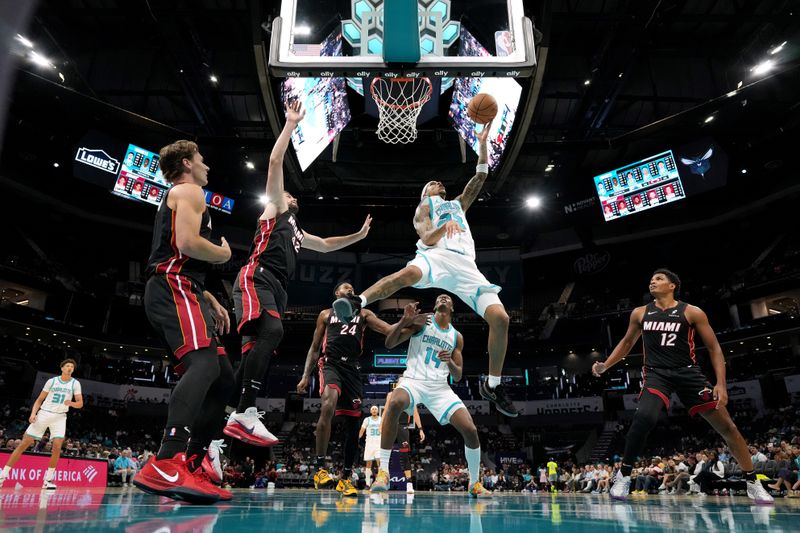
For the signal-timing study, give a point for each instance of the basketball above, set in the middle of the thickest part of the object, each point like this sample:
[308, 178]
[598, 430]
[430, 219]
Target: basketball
[482, 108]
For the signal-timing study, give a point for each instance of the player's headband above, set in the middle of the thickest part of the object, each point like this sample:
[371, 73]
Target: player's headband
[425, 188]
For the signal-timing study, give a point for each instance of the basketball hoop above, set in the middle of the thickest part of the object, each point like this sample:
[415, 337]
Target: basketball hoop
[400, 101]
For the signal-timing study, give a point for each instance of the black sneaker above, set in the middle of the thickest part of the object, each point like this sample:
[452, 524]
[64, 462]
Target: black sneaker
[499, 398]
[346, 307]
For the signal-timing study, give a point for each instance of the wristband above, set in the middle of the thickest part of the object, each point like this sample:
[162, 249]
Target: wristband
[482, 167]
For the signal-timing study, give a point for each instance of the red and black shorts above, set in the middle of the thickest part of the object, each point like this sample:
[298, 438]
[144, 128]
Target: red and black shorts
[179, 313]
[346, 379]
[256, 291]
[689, 383]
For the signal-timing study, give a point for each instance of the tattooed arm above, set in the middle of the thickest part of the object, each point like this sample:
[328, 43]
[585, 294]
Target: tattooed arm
[474, 186]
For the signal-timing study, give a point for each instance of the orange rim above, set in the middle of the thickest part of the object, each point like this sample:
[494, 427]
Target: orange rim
[417, 103]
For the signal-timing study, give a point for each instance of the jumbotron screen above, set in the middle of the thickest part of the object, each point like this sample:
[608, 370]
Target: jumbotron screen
[140, 178]
[639, 186]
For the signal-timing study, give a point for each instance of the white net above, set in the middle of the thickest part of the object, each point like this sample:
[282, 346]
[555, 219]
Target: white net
[400, 101]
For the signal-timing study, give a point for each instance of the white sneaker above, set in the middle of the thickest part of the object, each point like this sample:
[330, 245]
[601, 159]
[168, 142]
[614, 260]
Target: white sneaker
[49, 485]
[211, 462]
[2, 479]
[409, 488]
[757, 492]
[621, 487]
[247, 427]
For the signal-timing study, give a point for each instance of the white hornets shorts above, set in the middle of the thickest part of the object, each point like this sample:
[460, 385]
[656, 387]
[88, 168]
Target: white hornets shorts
[458, 274]
[57, 422]
[437, 396]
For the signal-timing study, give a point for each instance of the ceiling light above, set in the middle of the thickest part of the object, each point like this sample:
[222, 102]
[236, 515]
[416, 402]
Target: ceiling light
[263, 199]
[619, 75]
[777, 48]
[731, 94]
[587, 82]
[763, 67]
[61, 77]
[744, 171]
[213, 79]
[709, 118]
[533, 202]
[302, 30]
[56, 165]
[24, 41]
[320, 197]
[39, 59]
[250, 165]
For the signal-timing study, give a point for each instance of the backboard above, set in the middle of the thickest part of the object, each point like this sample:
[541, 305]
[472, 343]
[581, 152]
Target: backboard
[303, 24]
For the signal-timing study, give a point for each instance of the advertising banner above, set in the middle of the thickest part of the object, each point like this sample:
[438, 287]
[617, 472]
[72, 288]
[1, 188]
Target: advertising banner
[30, 470]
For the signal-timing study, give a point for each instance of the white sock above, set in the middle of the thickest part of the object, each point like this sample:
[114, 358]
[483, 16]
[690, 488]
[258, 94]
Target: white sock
[368, 476]
[6, 470]
[50, 474]
[473, 463]
[383, 457]
[493, 381]
[363, 300]
[124, 476]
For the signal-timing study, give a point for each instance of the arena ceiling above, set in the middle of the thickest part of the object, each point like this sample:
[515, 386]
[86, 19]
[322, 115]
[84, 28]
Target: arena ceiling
[616, 81]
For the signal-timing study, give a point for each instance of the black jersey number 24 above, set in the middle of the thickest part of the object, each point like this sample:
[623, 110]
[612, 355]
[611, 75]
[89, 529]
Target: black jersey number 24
[347, 329]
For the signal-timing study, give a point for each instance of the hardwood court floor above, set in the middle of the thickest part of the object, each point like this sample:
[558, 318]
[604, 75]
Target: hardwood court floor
[301, 511]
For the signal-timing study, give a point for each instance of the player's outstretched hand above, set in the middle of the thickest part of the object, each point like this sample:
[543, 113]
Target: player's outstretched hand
[302, 387]
[295, 112]
[421, 436]
[484, 134]
[365, 228]
[410, 312]
[32, 418]
[451, 228]
[598, 368]
[422, 320]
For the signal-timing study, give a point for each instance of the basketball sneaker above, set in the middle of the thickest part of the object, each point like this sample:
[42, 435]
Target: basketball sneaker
[381, 482]
[49, 485]
[499, 398]
[247, 427]
[757, 492]
[409, 488]
[477, 490]
[2, 478]
[323, 480]
[204, 480]
[621, 487]
[171, 478]
[346, 307]
[211, 464]
[346, 487]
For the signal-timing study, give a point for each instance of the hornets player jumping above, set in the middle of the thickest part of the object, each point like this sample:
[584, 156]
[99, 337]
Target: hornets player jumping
[434, 354]
[446, 260]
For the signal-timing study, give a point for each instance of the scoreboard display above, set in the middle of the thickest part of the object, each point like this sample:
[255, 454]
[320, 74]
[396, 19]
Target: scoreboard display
[639, 186]
[140, 178]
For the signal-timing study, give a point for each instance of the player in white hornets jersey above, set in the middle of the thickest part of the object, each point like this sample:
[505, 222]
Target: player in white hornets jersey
[371, 427]
[446, 260]
[434, 354]
[50, 411]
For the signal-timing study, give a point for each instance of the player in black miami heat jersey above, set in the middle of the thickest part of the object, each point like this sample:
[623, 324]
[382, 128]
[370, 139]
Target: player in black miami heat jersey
[335, 350]
[185, 316]
[668, 328]
[260, 289]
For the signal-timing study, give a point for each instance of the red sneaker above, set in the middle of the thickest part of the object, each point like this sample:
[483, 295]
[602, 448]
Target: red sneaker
[204, 480]
[171, 478]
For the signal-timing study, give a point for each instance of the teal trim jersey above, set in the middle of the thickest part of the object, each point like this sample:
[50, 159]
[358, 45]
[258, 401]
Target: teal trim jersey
[423, 361]
[443, 211]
